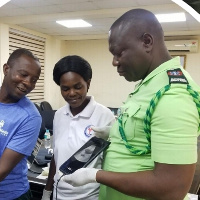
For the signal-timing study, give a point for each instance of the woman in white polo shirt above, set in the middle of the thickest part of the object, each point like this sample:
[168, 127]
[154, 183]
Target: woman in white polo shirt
[72, 126]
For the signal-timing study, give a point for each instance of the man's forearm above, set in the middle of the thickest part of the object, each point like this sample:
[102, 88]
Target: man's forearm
[165, 182]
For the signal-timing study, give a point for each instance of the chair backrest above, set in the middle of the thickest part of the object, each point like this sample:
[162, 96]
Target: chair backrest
[47, 118]
[114, 110]
[44, 105]
[42, 128]
[38, 107]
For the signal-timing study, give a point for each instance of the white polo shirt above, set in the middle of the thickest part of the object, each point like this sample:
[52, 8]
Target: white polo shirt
[70, 133]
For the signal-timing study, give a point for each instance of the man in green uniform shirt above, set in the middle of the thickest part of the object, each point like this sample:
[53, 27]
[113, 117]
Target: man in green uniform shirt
[153, 150]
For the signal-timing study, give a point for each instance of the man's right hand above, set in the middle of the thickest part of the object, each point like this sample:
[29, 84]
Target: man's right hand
[46, 195]
[81, 177]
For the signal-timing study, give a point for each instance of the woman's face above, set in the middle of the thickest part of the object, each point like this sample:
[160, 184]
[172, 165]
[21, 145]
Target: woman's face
[74, 89]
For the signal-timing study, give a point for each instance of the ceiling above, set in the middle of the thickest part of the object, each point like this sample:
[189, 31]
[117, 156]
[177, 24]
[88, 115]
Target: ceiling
[41, 16]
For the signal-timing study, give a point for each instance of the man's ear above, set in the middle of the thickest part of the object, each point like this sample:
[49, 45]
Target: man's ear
[6, 68]
[88, 84]
[148, 41]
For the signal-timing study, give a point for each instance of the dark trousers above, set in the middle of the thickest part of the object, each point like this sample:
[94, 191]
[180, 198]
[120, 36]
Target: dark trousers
[26, 196]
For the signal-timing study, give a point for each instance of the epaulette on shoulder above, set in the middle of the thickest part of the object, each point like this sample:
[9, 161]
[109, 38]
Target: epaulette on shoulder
[176, 76]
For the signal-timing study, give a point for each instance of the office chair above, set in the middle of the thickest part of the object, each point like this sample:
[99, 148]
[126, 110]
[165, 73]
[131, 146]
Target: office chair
[114, 110]
[47, 118]
[44, 105]
[42, 128]
[38, 107]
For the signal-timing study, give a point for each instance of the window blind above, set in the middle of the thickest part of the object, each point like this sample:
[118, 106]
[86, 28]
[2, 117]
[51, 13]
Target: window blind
[19, 39]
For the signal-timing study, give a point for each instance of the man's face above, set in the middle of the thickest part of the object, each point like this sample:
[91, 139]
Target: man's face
[74, 89]
[20, 78]
[129, 54]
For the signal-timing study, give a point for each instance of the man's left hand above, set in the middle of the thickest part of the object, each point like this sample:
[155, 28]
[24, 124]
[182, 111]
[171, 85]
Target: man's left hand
[101, 132]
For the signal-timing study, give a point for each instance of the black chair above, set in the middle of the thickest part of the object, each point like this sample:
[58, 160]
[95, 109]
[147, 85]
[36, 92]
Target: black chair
[114, 110]
[42, 128]
[47, 114]
[38, 107]
[44, 105]
[47, 118]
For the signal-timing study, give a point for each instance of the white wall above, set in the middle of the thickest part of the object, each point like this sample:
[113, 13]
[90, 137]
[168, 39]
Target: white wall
[4, 48]
[53, 54]
[107, 86]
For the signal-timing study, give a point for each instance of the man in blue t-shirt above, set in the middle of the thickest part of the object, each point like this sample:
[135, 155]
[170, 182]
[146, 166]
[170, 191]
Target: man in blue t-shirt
[20, 123]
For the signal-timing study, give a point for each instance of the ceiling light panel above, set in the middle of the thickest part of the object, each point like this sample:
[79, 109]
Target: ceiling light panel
[74, 23]
[188, 8]
[3, 2]
[172, 17]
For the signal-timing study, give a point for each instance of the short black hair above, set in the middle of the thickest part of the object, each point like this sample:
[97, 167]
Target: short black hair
[72, 63]
[18, 53]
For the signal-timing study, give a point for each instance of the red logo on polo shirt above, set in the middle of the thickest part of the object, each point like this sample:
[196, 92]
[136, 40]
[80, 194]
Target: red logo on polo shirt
[88, 131]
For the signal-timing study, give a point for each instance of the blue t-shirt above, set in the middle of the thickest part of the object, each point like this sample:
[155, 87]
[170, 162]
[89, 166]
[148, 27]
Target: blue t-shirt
[19, 128]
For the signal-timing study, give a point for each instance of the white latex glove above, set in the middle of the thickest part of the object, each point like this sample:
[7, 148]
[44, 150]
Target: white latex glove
[46, 195]
[101, 132]
[192, 196]
[81, 177]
